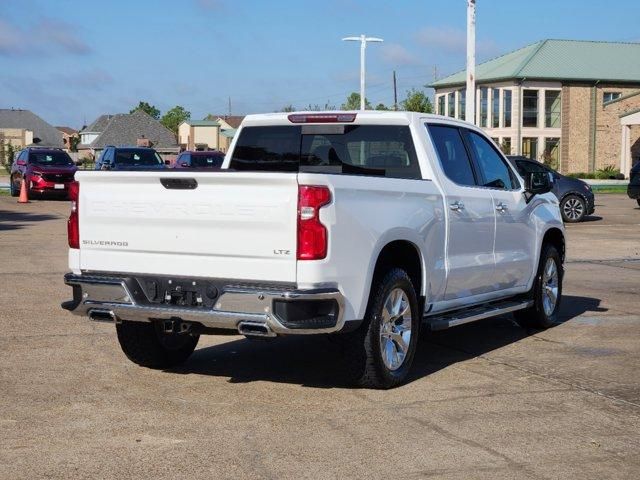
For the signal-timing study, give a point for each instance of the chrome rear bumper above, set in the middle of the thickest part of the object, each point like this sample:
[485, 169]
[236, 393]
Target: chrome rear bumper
[106, 298]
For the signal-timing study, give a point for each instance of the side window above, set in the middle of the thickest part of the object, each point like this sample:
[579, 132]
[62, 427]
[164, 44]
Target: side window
[529, 167]
[23, 155]
[493, 169]
[453, 154]
[187, 158]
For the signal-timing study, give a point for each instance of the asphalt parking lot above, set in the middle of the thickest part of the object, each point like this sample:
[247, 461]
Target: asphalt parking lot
[486, 400]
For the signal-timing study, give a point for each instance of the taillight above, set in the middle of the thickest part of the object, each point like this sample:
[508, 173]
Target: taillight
[312, 235]
[73, 225]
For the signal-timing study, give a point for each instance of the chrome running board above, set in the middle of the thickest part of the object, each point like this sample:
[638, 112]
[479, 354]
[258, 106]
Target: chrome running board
[468, 315]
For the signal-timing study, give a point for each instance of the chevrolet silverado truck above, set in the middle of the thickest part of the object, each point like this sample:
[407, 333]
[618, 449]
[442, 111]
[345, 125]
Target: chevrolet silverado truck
[364, 225]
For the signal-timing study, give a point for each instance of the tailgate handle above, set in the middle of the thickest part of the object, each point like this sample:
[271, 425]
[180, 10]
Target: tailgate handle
[179, 183]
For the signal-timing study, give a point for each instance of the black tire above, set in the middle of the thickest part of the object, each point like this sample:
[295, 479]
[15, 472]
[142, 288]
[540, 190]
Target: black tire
[363, 349]
[14, 192]
[145, 344]
[573, 208]
[536, 316]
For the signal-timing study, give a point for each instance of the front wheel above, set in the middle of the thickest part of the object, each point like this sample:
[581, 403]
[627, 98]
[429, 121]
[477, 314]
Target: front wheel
[12, 187]
[546, 292]
[573, 208]
[147, 345]
[381, 351]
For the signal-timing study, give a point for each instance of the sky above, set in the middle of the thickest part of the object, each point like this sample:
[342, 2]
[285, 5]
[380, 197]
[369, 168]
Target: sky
[70, 61]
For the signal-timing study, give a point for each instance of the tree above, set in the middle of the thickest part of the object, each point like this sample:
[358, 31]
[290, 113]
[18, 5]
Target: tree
[175, 117]
[417, 101]
[288, 108]
[382, 106]
[73, 143]
[353, 102]
[147, 108]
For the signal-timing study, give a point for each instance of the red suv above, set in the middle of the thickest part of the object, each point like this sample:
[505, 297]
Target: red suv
[45, 170]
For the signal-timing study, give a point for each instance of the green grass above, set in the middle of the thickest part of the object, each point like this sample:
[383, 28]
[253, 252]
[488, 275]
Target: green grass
[609, 189]
[4, 192]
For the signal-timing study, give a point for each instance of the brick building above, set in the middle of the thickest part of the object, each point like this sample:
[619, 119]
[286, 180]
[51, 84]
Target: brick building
[568, 103]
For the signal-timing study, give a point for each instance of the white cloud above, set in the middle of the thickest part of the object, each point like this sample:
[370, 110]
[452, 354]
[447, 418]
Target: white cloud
[397, 55]
[46, 36]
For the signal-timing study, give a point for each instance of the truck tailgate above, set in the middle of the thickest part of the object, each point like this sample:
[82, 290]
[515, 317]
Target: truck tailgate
[233, 225]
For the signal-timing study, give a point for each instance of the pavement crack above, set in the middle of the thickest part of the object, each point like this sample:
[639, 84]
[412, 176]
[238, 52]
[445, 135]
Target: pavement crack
[547, 377]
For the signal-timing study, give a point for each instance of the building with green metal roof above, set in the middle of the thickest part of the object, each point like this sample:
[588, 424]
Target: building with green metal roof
[558, 101]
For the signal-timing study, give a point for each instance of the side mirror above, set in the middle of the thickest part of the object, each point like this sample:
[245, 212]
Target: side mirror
[106, 166]
[184, 164]
[21, 163]
[167, 162]
[537, 183]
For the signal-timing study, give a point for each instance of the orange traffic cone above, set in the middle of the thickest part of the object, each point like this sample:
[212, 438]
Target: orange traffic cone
[24, 198]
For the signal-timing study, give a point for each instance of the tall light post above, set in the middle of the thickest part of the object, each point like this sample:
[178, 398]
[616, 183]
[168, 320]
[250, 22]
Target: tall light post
[470, 100]
[363, 39]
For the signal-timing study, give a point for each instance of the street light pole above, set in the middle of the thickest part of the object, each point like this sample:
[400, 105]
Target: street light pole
[363, 39]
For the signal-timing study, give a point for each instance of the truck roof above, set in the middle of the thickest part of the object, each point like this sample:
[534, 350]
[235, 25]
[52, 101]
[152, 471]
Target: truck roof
[361, 116]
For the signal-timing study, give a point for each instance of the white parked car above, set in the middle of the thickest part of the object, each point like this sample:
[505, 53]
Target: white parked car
[366, 225]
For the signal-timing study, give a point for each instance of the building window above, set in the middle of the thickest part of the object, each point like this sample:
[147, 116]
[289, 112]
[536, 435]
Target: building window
[484, 92]
[496, 140]
[462, 102]
[495, 108]
[506, 108]
[505, 146]
[452, 104]
[552, 109]
[441, 100]
[610, 96]
[551, 156]
[530, 147]
[530, 108]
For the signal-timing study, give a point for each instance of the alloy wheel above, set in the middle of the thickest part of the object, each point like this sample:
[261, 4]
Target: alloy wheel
[573, 209]
[550, 287]
[395, 329]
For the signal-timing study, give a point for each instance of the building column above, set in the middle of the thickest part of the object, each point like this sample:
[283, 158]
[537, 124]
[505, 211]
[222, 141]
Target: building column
[625, 154]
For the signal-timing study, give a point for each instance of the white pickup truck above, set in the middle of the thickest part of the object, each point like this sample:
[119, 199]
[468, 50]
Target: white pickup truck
[367, 225]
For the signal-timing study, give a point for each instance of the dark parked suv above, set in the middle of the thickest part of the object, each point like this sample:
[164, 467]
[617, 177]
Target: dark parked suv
[129, 158]
[45, 171]
[200, 160]
[633, 190]
[575, 196]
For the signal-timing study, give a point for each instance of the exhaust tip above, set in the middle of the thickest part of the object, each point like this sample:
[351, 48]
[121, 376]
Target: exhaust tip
[102, 316]
[255, 329]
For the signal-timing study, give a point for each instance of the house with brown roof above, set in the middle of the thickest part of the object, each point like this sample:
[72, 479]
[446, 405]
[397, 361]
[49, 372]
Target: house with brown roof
[68, 134]
[228, 126]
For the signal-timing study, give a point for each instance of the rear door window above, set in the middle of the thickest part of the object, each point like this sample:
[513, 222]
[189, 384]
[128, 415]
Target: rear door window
[379, 150]
[453, 155]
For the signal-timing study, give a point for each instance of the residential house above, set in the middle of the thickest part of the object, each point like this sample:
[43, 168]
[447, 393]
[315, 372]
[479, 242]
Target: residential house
[569, 103]
[199, 135]
[228, 126]
[68, 134]
[23, 127]
[129, 129]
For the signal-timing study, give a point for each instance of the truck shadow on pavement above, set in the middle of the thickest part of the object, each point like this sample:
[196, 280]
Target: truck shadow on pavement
[16, 220]
[318, 362]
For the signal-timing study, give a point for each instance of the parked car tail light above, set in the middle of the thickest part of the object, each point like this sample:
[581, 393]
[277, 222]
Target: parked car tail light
[312, 235]
[322, 117]
[73, 225]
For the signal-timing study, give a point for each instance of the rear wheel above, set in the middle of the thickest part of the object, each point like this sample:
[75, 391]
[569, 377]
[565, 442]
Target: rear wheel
[573, 208]
[381, 351]
[147, 345]
[546, 292]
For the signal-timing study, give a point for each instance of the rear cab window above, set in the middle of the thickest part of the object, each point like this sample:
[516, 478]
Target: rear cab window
[373, 150]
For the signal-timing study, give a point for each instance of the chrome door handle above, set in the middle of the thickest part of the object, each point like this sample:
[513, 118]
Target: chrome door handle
[456, 206]
[501, 207]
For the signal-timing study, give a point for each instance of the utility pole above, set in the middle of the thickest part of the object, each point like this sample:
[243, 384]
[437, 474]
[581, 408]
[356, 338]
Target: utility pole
[363, 39]
[229, 106]
[395, 92]
[435, 73]
[470, 100]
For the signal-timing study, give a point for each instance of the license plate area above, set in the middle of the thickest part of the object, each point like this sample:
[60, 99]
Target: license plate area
[179, 292]
[59, 186]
